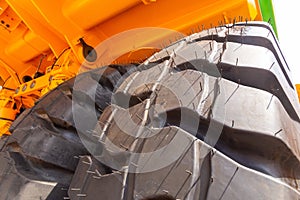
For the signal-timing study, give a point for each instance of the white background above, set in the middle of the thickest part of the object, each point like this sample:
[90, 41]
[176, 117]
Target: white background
[287, 16]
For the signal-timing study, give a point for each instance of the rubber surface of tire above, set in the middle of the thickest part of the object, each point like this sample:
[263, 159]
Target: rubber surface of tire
[39, 159]
[217, 116]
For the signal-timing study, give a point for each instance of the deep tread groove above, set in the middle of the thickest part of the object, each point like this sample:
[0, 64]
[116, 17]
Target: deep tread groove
[264, 80]
[251, 40]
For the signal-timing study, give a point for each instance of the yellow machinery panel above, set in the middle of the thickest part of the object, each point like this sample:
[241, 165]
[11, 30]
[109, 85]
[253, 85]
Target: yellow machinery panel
[47, 27]
[298, 90]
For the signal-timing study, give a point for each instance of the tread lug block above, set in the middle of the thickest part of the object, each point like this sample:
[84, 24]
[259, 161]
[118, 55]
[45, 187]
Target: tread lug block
[106, 75]
[19, 119]
[89, 182]
[124, 70]
[57, 106]
[202, 176]
[84, 93]
[46, 144]
[20, 181]
[95, 90]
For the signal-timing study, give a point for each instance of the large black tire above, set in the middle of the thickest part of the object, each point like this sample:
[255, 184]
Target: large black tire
[220, 102]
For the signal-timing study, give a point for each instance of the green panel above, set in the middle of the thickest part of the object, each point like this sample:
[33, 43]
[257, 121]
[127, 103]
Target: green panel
[266, 8]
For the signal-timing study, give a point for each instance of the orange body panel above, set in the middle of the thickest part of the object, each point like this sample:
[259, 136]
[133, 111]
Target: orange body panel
[298, 90]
